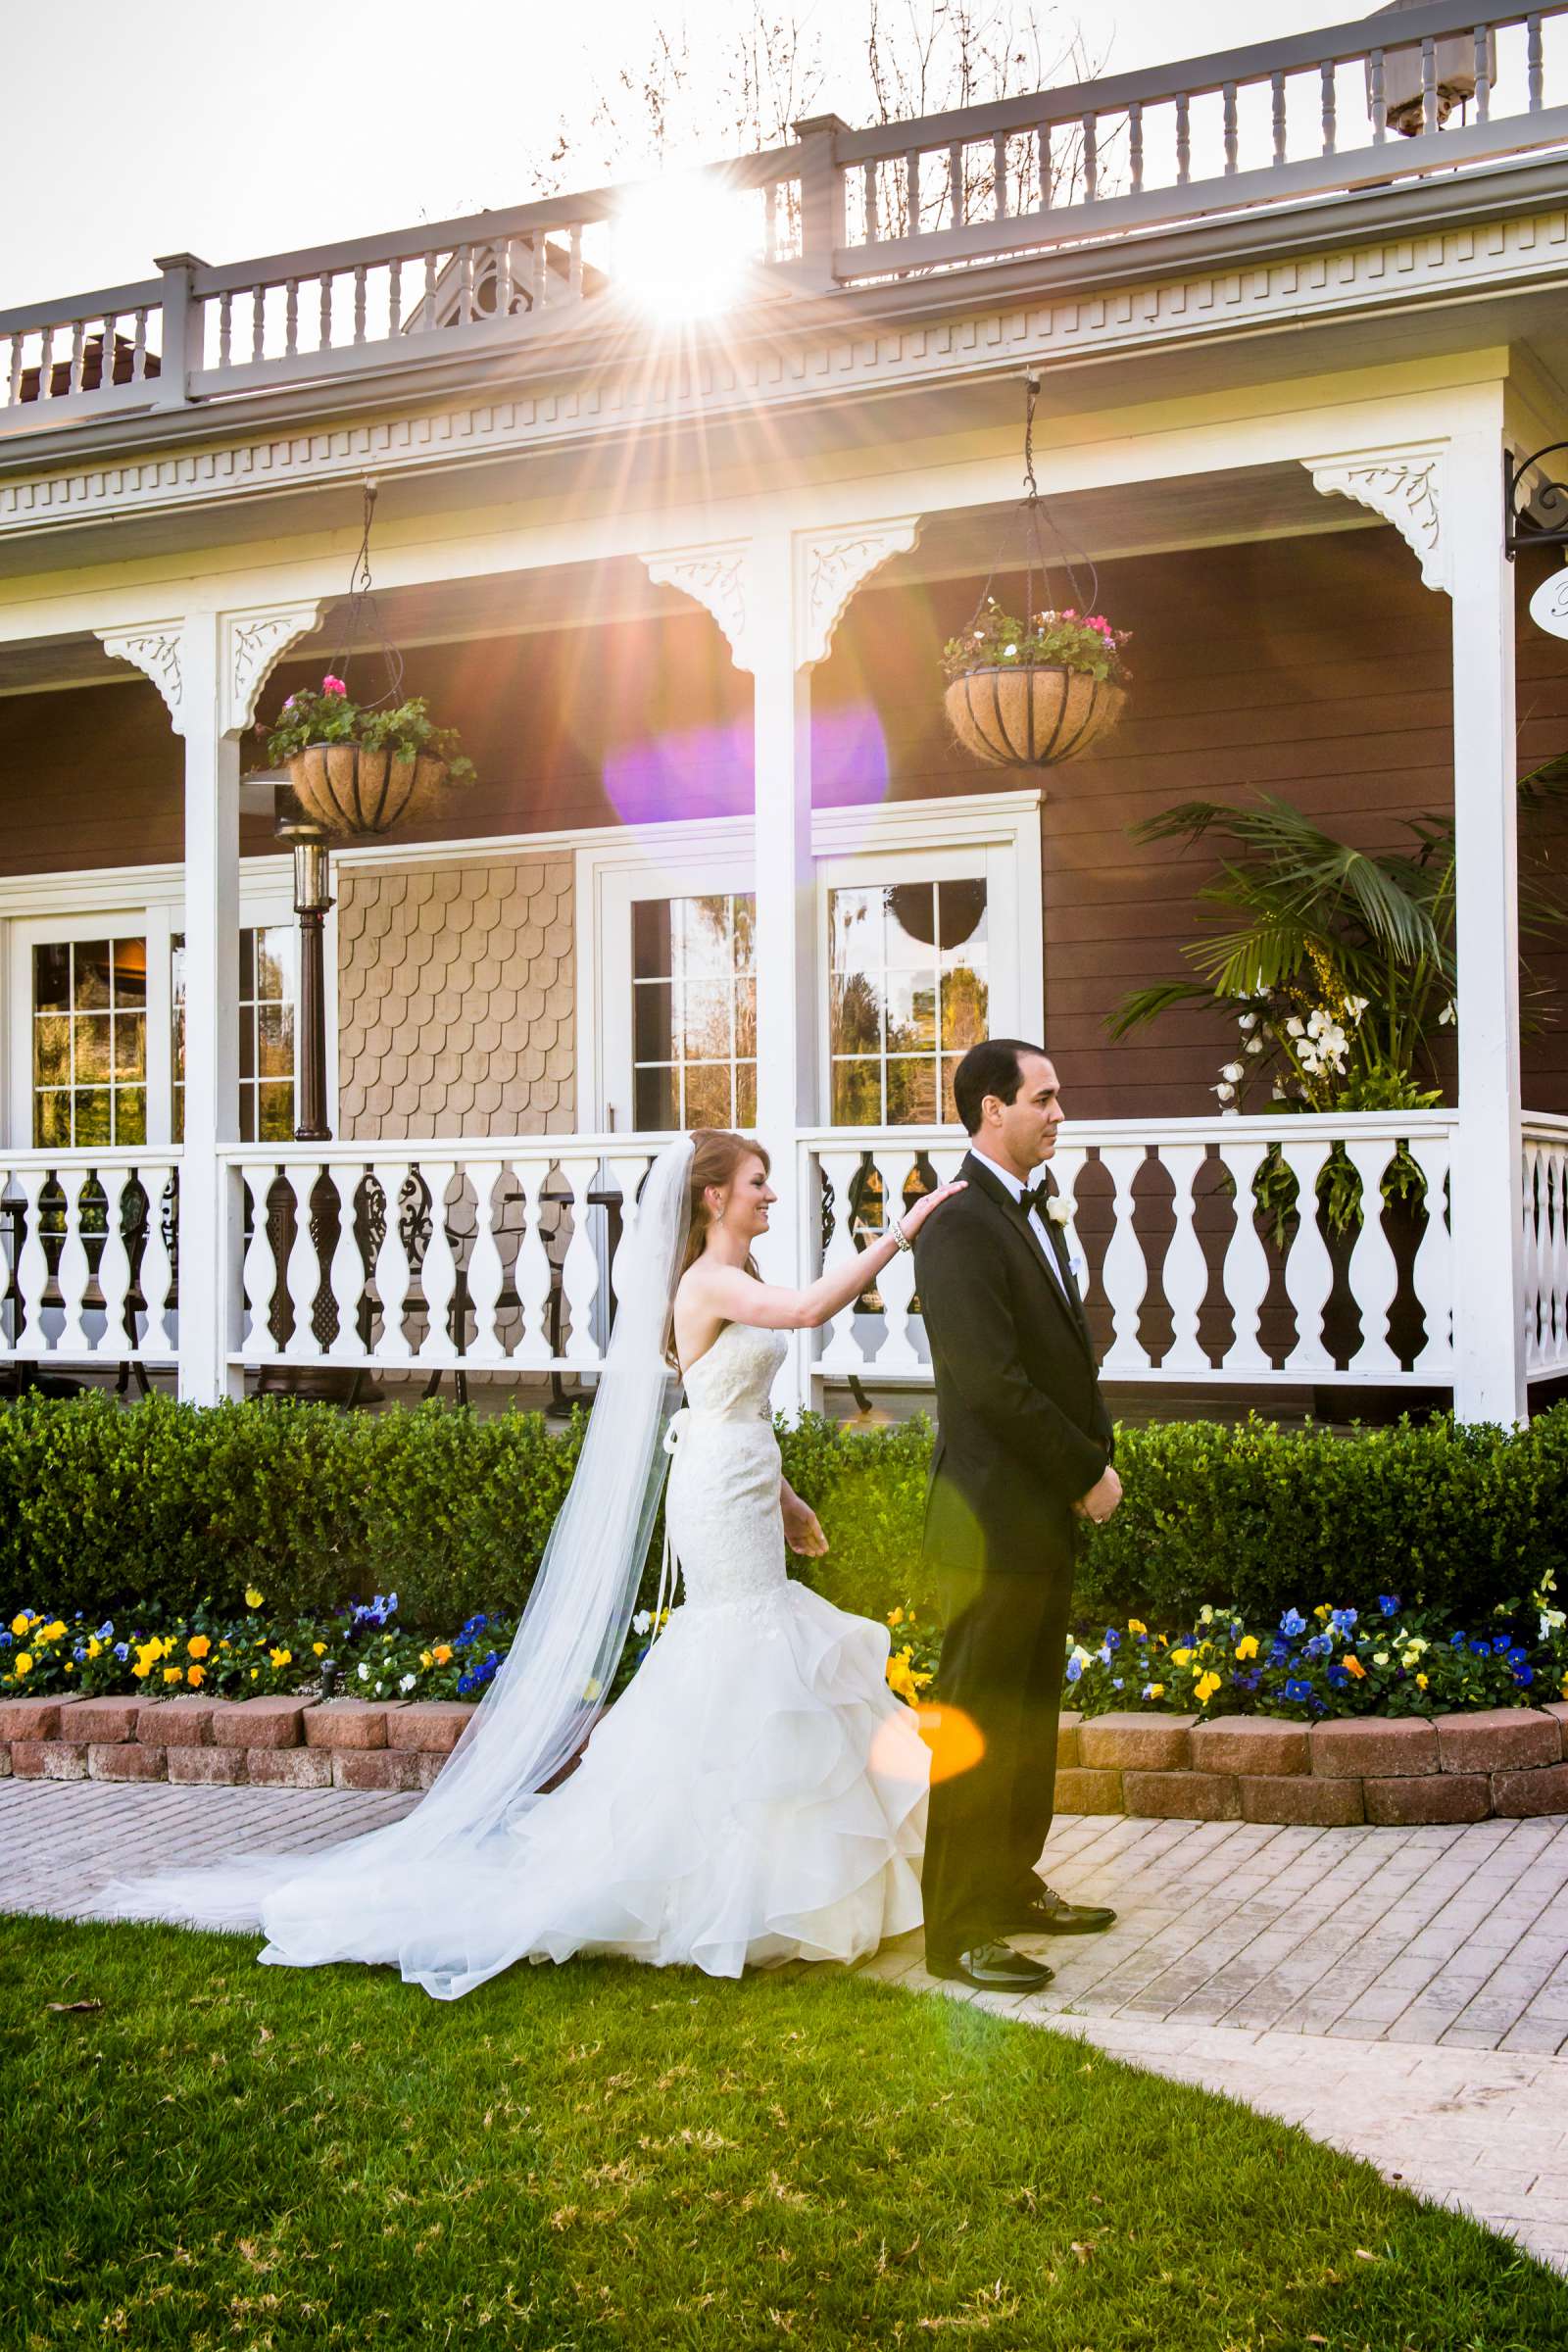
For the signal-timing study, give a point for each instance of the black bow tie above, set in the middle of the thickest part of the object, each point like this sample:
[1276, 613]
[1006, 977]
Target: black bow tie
[1034, 1197]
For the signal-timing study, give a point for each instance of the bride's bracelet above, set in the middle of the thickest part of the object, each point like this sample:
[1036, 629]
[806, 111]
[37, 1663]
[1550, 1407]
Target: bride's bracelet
[896, 1228]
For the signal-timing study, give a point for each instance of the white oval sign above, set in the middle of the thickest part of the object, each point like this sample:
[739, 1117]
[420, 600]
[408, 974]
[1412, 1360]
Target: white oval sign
[1549, 607]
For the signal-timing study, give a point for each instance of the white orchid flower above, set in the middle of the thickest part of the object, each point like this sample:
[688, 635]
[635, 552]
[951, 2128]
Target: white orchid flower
[1233, 1073]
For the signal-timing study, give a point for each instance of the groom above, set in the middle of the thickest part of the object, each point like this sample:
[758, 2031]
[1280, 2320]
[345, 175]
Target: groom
[1023, 1453]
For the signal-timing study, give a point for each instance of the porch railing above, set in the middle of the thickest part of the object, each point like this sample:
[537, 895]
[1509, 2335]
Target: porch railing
[1294, 1251]
[1546, 1236]
[496, 1256]
[89, 1245]
[1309, 118]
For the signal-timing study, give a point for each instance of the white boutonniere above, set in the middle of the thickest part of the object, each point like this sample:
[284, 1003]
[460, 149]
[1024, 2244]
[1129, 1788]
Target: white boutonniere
[1058, 1210]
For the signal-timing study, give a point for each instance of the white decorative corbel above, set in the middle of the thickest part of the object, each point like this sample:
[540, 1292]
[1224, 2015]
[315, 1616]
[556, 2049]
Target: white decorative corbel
[154, 647]
[716, 576]
[254, 642]
[1405, 486]
[829, 566]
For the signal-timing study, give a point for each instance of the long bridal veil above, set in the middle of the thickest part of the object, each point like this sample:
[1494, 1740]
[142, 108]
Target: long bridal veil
[420, 1894]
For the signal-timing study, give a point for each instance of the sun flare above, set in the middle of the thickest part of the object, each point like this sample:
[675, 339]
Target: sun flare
[683, 248]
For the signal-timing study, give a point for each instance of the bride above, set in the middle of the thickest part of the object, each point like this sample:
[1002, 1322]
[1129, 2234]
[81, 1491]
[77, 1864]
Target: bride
[758, 1795]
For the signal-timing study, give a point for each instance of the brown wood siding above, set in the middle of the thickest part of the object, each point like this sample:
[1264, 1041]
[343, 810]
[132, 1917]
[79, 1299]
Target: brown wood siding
[1315, 669]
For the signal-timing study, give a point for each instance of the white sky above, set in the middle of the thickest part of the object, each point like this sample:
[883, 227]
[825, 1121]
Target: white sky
[137, 128]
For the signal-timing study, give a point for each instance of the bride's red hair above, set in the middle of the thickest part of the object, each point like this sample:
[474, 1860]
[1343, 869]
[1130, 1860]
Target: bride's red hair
[717, 1156]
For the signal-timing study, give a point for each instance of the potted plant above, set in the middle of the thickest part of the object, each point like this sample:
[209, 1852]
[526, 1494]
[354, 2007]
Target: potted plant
[1034, 693]
[362, 768]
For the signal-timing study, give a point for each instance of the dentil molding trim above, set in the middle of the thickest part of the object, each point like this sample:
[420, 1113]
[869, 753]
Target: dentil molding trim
[819, 363]
[1405, 486]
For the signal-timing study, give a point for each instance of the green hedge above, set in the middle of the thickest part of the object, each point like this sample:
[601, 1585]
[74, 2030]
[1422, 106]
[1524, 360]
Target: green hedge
[104, 1507]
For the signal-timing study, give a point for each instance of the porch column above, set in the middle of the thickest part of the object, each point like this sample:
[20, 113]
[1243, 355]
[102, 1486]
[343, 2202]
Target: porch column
[788, 1096]
[209, 667]
[1445, 497]
[1489, 1340]
[778, 597]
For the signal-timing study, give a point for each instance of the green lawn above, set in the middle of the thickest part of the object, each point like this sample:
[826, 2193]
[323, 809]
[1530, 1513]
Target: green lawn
[221, 2155]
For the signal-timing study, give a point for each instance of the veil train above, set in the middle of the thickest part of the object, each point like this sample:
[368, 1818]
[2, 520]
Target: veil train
[420, 1894]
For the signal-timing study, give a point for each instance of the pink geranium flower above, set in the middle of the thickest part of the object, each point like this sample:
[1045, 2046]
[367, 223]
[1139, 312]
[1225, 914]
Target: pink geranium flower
[332, 685]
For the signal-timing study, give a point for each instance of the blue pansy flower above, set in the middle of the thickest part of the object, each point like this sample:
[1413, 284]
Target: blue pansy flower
[471, 1631]
[1112, 1638]
[1319, 1646]
[1075, 1668]
[4, 1637]
[1481, 1650]
[1293, 1623]
[1501, 1644]
[121, 1652]
[105, 1630]
[1341, 1620]
[1389, 1603]
[79, 1652]
[1457, 1641]
[1524, 1676]
[1338, 1677]
[1115, 1682]
[1298, 1691]
[1278, 1651]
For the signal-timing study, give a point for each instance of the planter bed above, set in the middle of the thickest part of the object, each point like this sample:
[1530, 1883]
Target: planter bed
[1508, 1762]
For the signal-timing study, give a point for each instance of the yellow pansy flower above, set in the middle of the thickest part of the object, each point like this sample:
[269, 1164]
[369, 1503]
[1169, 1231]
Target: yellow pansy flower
[895, 1617]
[1354, 1665]
[24, 1662]
[443, 1651]
[198, 1645]
[1204, 1688]
[1246, 1648]
[318, 1650]
[20, 1624]
[253, 1598]
[1421, 1683]
[282, 1657]
[94, 1646]
[1181, 1657]
[255, 1671]
[195, 1676]
[1136, 1625]
[173, 1674]
[1156, 1691]
[55, 1632]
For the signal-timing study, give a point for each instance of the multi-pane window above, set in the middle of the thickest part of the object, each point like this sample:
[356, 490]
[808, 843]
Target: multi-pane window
[694, 1011]
[89, 1041]
[267, 997]
[908, 987]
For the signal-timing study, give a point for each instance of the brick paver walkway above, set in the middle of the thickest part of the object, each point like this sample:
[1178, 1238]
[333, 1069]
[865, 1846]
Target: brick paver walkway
[1402, 1993]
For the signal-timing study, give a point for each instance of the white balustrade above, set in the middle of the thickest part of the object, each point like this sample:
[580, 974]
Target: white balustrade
[435, 1257]
[1545, 1245]
[87, 1273]
[1318, 113]
[1251, 1292]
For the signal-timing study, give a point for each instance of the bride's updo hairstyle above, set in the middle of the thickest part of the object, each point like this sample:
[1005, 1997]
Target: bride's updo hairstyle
[717, 1157]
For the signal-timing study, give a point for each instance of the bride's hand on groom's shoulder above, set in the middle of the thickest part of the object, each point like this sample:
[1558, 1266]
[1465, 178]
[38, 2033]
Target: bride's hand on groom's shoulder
[928, 1204]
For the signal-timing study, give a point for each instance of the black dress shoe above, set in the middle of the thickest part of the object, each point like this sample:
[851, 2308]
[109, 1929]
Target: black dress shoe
[992, 1968]
[1050, 1914]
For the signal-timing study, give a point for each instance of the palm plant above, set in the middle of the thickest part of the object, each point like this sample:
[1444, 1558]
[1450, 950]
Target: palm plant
[1338, 965]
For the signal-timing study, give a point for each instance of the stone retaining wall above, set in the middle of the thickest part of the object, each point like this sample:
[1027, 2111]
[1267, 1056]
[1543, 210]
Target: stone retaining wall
[255, 1742]
[1510, 1762]
[1390, 1770]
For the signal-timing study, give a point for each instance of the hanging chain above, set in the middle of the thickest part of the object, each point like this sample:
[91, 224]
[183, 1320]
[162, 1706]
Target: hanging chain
[1035, 522]
[364, 614]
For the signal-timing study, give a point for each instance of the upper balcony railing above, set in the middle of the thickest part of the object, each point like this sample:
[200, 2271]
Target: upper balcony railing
[1390, 99]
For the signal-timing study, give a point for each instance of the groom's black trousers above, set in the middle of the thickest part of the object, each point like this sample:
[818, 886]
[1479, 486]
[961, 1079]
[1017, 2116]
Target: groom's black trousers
[1002, 1661]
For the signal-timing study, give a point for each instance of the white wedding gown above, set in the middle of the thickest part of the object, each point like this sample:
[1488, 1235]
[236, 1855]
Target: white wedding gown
[758, 1795]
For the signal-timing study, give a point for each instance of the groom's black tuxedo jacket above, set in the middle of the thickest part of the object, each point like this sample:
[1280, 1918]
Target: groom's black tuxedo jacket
[1022, 1428]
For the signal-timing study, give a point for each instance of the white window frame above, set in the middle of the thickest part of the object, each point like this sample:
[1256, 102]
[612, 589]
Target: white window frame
[141, 901]
[996, 834]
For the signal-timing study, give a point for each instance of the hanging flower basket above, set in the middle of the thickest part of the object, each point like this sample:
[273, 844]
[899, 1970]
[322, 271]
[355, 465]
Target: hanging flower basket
[359, 768]
[350, 787]
[1033, 715]
[1034, 696]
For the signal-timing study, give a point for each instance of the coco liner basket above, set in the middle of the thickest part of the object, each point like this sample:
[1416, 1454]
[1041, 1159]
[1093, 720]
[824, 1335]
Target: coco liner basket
[352, 787]
[1031, 714]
